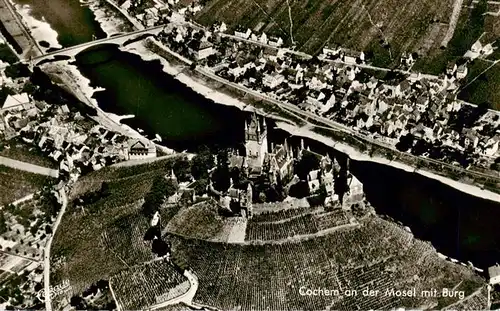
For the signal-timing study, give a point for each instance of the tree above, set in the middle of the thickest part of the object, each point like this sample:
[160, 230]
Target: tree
[3, 223]
[299, 190]
[159, 247]
[202, 162]
[151, 233]
[171, 188]
[307, 163]
[182, 169]
[200, 187]
[77, 302]
[17, 70]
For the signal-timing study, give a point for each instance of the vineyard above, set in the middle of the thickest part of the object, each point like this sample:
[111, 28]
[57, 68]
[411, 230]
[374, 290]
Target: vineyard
[15, 184]
[292, 223]
[201, 221]
[93, 181]
[145, 285]
[378, 254]
[364, 25]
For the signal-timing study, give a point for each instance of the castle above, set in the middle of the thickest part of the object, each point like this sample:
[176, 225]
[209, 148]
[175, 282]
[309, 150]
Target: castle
[275, 163]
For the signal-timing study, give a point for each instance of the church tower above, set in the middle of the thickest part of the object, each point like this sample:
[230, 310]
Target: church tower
[256, 140]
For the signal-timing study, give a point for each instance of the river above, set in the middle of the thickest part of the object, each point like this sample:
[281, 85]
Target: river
[457, 224]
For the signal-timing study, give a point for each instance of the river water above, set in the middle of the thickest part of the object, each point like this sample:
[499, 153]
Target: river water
[458, 225]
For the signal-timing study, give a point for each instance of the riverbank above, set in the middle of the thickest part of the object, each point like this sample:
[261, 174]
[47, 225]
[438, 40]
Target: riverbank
[355, 154]
[40, 30]
[80, 86]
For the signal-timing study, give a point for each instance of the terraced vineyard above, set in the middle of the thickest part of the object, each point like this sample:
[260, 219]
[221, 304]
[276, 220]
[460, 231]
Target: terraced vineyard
[379, 255]
[291, 223]
[145, 285]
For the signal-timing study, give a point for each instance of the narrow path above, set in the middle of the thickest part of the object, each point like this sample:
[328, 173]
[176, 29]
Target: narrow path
[28, 167]
[46, 253]
[150, 160]
[291, 21]
[453, 22]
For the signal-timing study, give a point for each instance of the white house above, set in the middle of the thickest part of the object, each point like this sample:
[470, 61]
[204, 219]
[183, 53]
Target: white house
[462, 71]
[140, 149]
[263, 38]
[201, 49]
[272, 80]
[275, 41]
[240, 32]
[494, 274]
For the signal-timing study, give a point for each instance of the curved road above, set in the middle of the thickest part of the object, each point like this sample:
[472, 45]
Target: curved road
[186, 298]
[46, 252]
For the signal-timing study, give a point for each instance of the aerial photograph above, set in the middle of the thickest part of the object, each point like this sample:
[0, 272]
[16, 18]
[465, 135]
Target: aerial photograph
[248, 155]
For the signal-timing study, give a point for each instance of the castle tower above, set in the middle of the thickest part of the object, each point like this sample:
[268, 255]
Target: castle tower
[256, 140]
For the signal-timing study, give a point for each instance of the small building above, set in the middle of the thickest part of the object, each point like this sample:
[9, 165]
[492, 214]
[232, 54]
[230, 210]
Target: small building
[275, 41]
[331, 51]
[494, 274]
[201, 49]
[241, 32]
[355, 193]
[141, 149]
[351, 56]
[462, 71]
[272, 80]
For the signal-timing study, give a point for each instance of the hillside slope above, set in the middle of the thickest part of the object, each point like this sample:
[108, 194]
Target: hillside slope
[412, 26]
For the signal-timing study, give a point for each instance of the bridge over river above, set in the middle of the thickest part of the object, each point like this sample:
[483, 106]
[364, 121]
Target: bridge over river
[74, 50]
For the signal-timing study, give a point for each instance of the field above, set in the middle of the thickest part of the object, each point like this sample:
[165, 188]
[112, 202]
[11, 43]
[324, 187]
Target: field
[378, 255]
[145, 285]
[471, 25]
[15, 184]
[486, 87]
[412, 26]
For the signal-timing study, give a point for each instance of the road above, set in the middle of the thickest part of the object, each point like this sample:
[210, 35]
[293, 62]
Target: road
[28, 167]
[46, 252]
[132, 20]
[24, 28]
[186, 298]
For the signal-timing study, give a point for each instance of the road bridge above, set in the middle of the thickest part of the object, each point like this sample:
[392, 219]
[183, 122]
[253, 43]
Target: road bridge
[74, 50]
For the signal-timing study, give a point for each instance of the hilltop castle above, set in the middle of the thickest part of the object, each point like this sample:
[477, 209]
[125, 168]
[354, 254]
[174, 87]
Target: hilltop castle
[275, 163]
